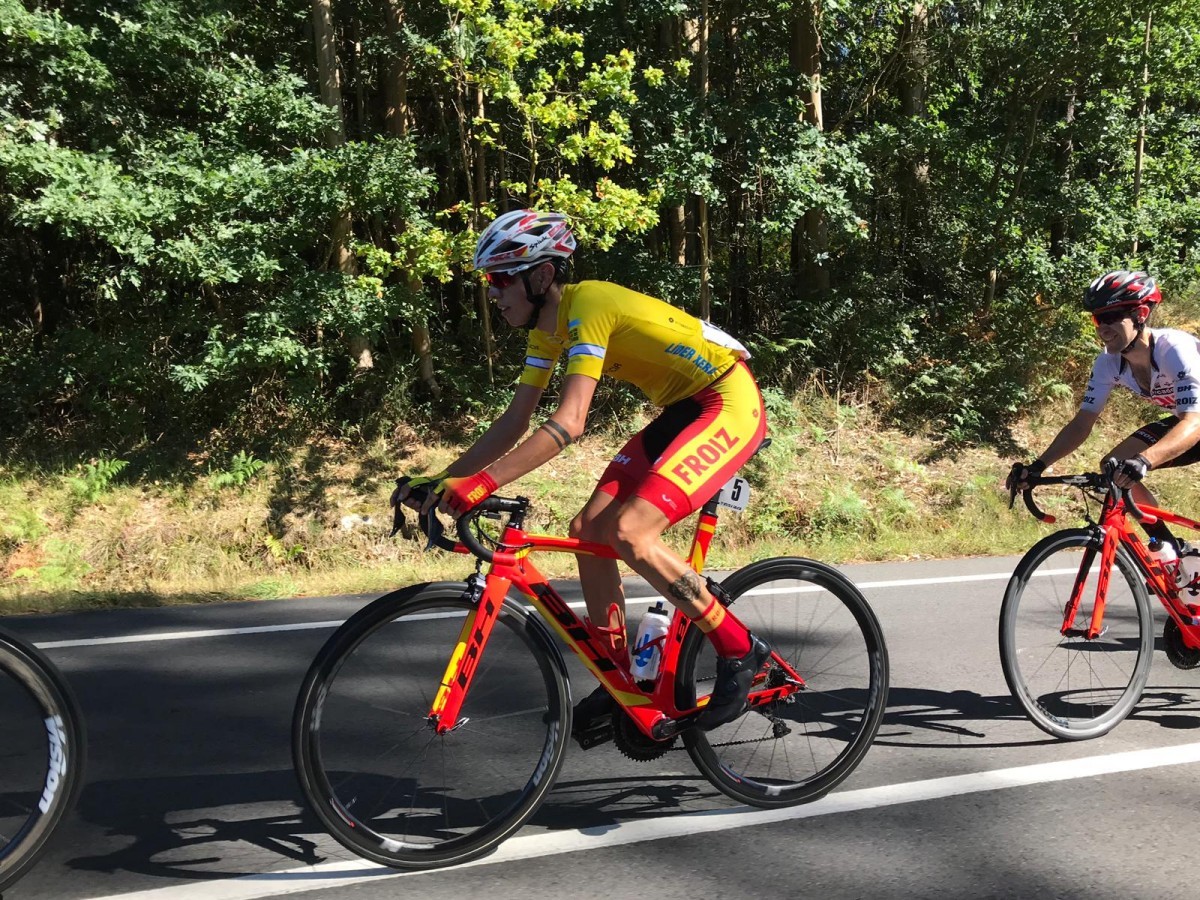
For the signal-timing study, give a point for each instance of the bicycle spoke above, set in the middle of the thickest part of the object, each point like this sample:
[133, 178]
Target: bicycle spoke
[1073, 686]
[796, 749]
[362, 734]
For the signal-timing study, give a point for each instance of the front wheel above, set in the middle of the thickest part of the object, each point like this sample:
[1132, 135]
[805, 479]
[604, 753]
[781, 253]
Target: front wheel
[1069, 686]
[371, 765]
[41, 754]
[795, 750]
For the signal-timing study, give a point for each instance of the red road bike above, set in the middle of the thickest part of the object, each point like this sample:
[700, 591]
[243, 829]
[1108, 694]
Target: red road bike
[1076, 626]
[434, 722]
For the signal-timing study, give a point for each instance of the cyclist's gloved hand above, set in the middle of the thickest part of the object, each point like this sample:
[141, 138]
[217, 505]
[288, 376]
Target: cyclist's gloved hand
[459, 495]
[1021, 473]
[404, 487]
[1132, 470]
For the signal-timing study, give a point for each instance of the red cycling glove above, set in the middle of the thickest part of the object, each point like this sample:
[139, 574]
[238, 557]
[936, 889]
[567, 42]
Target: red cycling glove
[463, 494]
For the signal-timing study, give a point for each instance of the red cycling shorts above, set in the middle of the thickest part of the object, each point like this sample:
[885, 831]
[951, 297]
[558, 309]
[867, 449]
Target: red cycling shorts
[682, 458]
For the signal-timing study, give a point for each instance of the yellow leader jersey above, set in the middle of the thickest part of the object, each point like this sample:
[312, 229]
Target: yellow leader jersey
[610, 330]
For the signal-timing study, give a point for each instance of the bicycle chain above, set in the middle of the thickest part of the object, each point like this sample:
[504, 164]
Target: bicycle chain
[727, 743]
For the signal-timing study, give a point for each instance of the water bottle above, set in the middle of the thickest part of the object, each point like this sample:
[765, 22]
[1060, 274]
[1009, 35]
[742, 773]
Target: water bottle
[1189, 566]
[1168, 558]
[647, 646]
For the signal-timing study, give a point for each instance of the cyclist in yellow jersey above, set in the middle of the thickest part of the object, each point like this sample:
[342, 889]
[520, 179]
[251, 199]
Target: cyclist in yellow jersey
[712, 421]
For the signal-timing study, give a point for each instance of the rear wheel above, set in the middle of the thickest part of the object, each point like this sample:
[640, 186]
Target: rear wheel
[1069, 686]
[796, 750]
[383, 782]
[41, 754]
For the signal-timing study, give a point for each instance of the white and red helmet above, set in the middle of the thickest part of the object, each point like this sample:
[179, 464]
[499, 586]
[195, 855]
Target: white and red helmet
[522, 239]
[1121, 289]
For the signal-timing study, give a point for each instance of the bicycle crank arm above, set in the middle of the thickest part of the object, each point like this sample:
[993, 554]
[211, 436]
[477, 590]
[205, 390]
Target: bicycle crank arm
[669, 728]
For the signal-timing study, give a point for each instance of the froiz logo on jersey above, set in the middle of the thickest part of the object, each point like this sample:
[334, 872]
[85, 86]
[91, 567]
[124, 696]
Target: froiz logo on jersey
[689, 353]
[707, 455]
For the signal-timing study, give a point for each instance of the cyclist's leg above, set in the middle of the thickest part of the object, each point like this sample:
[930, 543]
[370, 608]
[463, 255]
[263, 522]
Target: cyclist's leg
[729, 424]
[1144, 437]
[600, 578]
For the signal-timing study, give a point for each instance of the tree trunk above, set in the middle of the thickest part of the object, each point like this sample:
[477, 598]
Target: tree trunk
[396, 113]
[1139, 153]
[1066, 150]
[701, 202]
[804, 53]
[669, 31]
[396, 117]
[998, 228]
[329, 79]
[915, 47]
[481, 192]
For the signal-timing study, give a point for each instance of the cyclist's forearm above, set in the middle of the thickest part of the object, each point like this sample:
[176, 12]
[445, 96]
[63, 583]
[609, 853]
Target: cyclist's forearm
[1067, 441]
[542, 446]
[500, 437]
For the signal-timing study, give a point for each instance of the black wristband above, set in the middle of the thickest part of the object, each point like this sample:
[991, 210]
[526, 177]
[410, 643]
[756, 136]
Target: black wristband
[1037, 467]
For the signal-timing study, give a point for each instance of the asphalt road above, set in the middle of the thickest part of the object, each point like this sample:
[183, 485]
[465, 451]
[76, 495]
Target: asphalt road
[190, 793]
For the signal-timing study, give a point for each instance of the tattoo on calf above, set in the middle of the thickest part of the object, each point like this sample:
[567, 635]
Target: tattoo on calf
[687, 588]
[559, 434]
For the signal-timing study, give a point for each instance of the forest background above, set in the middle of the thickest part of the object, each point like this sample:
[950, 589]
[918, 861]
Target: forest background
[235, 296]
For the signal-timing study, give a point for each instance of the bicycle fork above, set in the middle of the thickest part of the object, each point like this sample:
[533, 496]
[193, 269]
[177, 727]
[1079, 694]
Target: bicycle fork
[487, 599]
[1095, 626]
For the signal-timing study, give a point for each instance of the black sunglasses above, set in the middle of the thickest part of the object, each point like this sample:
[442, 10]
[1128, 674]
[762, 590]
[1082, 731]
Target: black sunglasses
[1112, 318]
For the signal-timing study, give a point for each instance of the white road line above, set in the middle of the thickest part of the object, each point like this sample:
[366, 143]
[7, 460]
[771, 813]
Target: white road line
[309, 626]
[341, 874]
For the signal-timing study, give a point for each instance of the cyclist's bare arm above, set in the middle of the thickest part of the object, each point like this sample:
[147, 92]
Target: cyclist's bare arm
[564, 427]
[1181, 438]
[1069, 439]
[502, 435]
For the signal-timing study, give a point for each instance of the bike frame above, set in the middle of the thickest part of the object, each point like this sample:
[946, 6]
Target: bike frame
[1116, 530]
[654, 710]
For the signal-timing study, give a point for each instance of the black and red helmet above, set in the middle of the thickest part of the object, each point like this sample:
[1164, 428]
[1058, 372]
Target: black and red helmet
[1120, 289]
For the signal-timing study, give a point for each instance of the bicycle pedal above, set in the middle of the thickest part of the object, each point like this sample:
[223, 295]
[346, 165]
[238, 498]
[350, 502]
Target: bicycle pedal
[600, 733]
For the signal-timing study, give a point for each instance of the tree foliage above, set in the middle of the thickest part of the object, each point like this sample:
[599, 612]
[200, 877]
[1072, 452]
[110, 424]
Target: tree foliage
[174, 219]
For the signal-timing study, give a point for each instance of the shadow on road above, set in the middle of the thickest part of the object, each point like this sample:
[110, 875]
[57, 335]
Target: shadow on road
[972, 718]
[210, 826]
[200, 826]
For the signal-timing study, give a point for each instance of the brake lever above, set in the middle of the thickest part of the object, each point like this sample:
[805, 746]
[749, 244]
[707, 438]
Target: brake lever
[434, 529]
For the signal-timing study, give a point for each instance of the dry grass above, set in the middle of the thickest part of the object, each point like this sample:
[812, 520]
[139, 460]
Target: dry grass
[835, 484]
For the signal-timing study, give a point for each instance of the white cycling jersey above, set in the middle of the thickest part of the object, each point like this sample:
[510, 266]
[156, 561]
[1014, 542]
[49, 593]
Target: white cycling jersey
[1174, 375]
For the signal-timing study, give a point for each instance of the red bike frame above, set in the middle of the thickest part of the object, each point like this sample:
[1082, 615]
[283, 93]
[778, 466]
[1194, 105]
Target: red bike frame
[1117, 530]
[654, 711]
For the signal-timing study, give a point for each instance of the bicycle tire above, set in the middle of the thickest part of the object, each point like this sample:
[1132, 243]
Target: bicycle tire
[1070, 687]
[383, 783]
[42, 745]
[797, 750]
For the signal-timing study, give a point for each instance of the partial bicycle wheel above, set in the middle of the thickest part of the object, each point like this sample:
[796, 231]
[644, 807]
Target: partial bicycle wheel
[383, 782]
[41, 754]
[1069, 686]
[798, 749]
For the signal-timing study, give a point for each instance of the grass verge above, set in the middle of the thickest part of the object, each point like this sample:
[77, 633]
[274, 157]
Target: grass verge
[834, 485]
